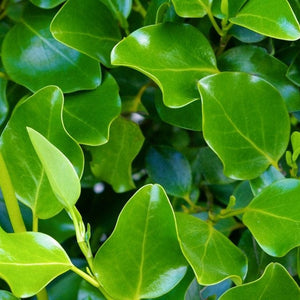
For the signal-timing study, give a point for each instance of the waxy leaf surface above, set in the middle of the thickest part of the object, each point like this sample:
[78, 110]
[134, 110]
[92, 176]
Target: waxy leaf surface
[3, 100]
[43, 112]
[273, 18]
[275, 283]
[142, 257]
[112, 162]
[4, 295]
[30, 260]
[91, 126]
[47, 3]
[248, 128]
[89, 27]
[33, 58]
[59, 170]
[273, 217]
[123, 6]
[212, 256]
[173, 55]
[191, 8]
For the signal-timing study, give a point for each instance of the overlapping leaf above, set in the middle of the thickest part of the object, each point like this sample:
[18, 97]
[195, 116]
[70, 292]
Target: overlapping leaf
[43, 112]
[123, 6]
[173, 55]
[33, 58]
[47, 3]
[142, 257]
[233, 7]
[248, 128]
[3, 100]
[192, 8]
[273, 217]
[4, 295]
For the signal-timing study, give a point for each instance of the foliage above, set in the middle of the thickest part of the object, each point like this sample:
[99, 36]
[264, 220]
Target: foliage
[188, 108]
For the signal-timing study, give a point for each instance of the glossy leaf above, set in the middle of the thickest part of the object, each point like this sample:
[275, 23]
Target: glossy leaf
[4, 295]
[91, 127]
[256, 61]
[3, 100]
[40, 260]
[112, 162]
[171, 169]
[275, 283]
[245, 35]
[59, 170]
[233, 7]
[132, 263]
[33, 58]
[123, 6]
[87, 26]
[273, 217]
[148, 51]
[236, 126]
[27, 174]
[212, 256]
[47, 3]
[192, 8]
[273, 18]
[295, 139]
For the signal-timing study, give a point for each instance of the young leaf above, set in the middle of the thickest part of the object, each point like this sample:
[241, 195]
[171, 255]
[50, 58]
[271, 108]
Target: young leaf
[212, 256]
[30, 260]
[173, 55]
[191, 8]
[59, 170]
[33, 58]
[236, 125]
[273, 18]
[47, 3]
[273, 217]
[275, 283]
[233, 7]
[112, 162]
[295, 139]
[142, 257]
[87, 26]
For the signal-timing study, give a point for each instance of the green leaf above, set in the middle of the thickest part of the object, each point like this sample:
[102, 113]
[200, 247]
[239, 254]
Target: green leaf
[173, 55]
[47, 3]
[88, 292]
[91, 126]
[3, 100]
[171, 169]
[275, 283]
[192, 8]
[40, 261]
[87, 26]
[4, 295]
[236, 125]
[59, 170]
[212, 256]
[132, 263]
[233, 8]
[273, 18]
[33, 58]
[123, 6]
[112, 162]
[273, 217]
[293, 72]
[256, 61]
[295, 139]
[43, 112]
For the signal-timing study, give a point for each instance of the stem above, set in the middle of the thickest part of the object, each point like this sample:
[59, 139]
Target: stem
[10, 199]
[214, 23]
[42, 295]
[85, 276]
[35, 223]
[3, 4]
[138, 7]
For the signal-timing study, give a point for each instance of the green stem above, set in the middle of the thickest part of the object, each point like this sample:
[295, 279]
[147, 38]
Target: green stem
[138, 7]
[231, 213]
[42, 295]
[10, 199]
[35, 223]
[85, 276]
[214, 23]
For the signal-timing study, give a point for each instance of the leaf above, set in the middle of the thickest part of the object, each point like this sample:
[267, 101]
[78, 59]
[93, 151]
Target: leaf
[173, 55]
[275, 283]
[192, 8]
[87, 26]
[233, 8]
[59, 170]
[273, 18]
[212, 256]
[91, 126]
[295, 139]
[43, 112]
[88, 292]
[112, 162]
[47, 3]
[3, 101]
[4, 295]
[273, 217]
[256, 61]
[293, 72]
[123, 6]
[30, 260]
[236, 125]
[33, 58]
[132, 263]
[171, 169]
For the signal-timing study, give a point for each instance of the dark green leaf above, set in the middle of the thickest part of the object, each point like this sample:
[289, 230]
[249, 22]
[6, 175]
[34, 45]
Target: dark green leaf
[47, 3]
[4, 295]
[3, 100]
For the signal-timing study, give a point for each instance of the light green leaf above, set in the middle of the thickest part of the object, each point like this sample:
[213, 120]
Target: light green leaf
[273, 18]
[87, 26]
[123, 6]
[173, 55]
[43, 112]
[212, 256]
[256, 61]
[132, 264]
[275, 283]
[171, 169]
[47, 3]
[4, 295]
[3, 101]
[30, 260]
[295, 139]
[91, 126]
[273, 217]
[233, 7]
[59, 170]
[112, 162]
[33, 58]
[236, 125]
[192, 8]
